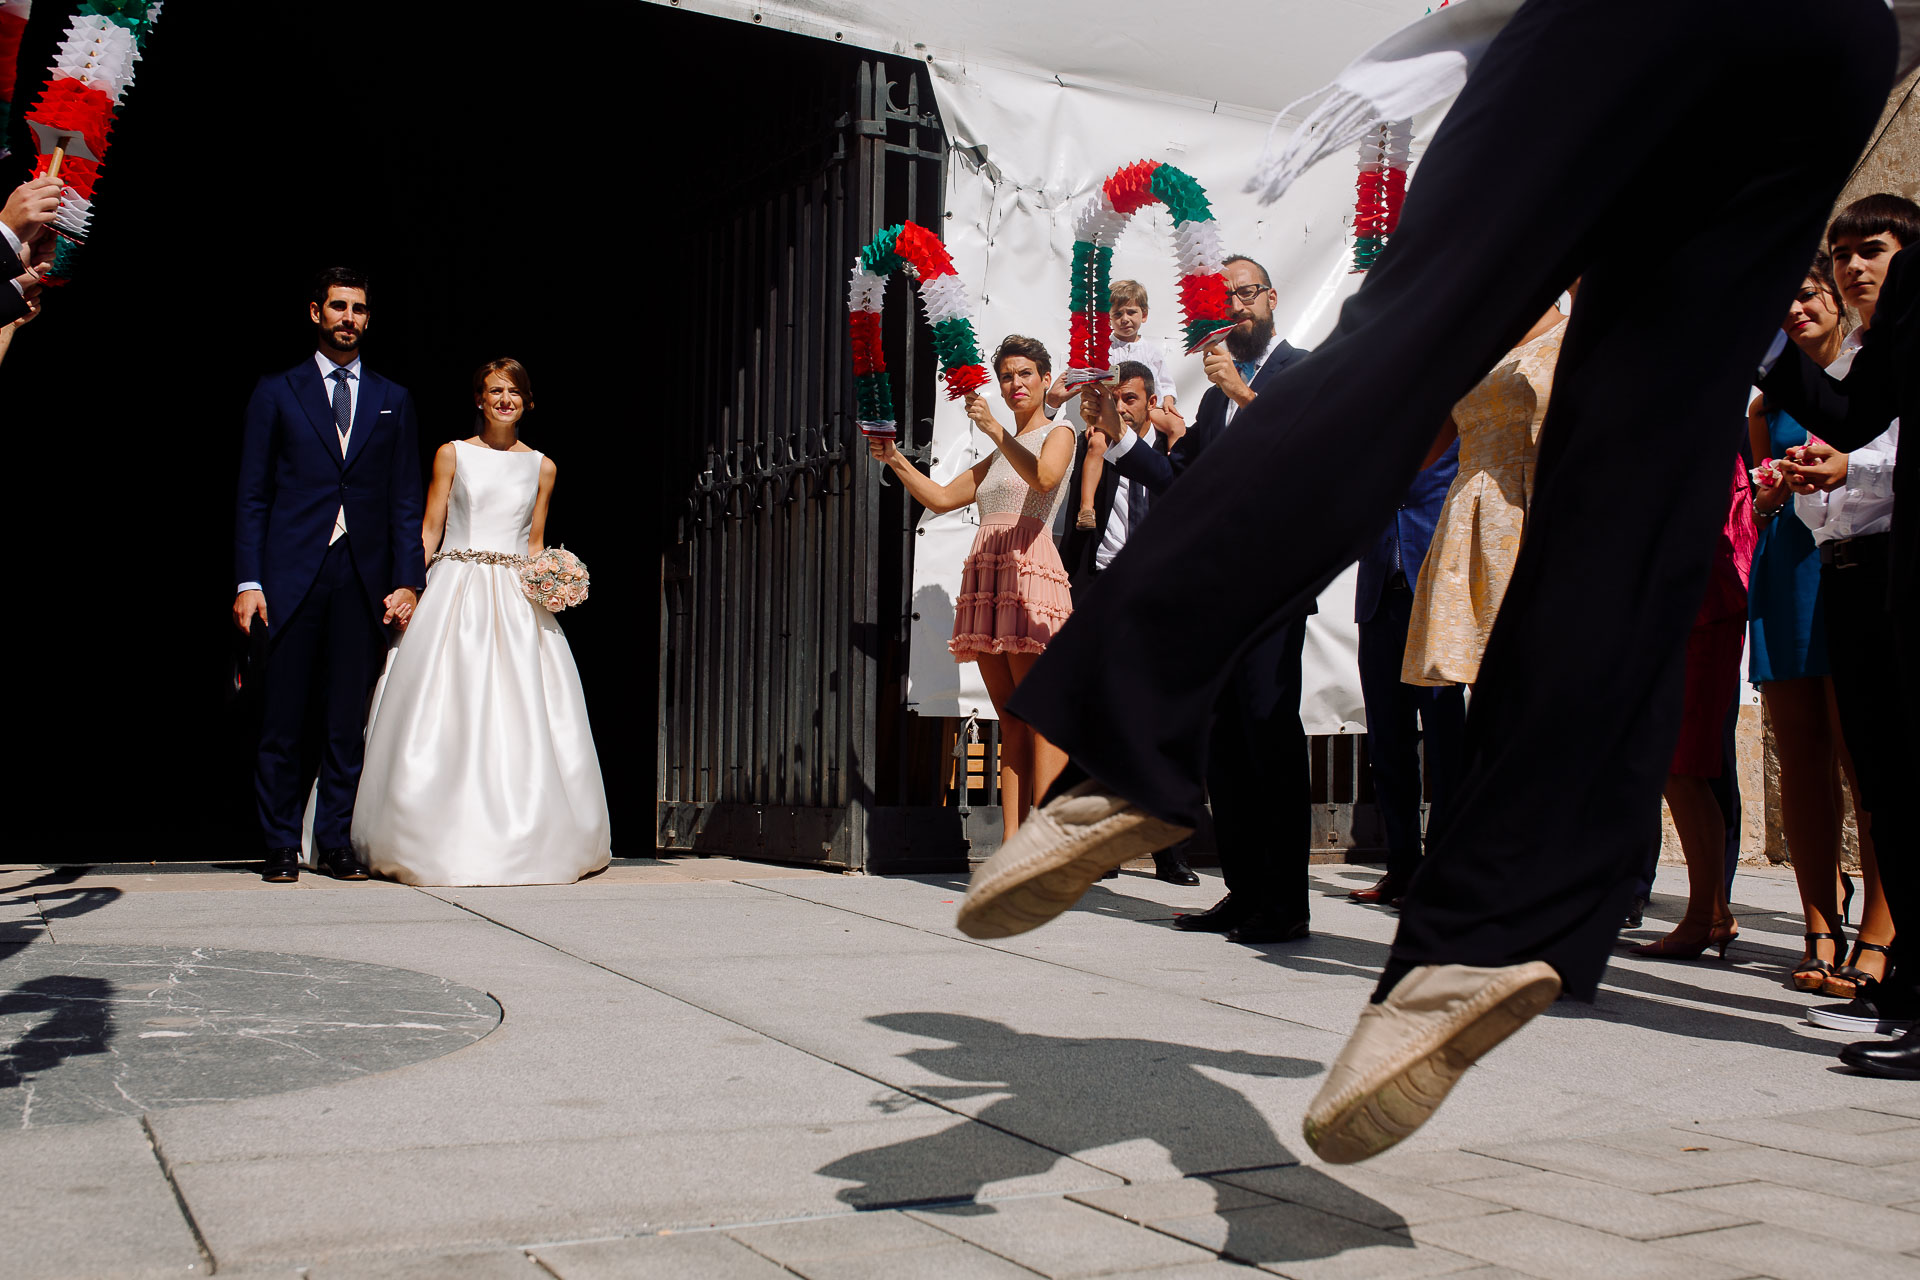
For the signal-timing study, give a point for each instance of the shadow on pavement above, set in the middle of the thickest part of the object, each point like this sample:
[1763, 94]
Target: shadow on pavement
[63, 1016]
[1067, 1095]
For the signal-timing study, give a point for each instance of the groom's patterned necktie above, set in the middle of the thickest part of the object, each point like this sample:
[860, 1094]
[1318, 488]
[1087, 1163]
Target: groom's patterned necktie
[343, 427]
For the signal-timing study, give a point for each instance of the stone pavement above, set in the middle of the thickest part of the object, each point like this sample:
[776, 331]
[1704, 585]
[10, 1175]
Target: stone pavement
[714, 1069]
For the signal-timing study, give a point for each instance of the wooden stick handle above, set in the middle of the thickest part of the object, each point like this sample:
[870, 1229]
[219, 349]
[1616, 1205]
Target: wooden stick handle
[59, 158]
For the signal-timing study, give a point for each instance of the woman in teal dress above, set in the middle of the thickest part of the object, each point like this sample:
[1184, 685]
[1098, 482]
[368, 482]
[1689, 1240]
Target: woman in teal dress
[1787, 659]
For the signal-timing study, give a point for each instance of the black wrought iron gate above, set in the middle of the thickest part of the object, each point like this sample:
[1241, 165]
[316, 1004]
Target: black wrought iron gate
[783, 731]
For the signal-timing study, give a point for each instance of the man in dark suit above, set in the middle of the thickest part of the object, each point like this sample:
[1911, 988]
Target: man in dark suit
[1257, 764]
[1874, 634]
[1118, 507]
[327, 552]
[1399, 715]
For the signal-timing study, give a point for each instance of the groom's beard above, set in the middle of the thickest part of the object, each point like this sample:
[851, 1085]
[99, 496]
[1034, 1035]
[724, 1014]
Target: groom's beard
[1244, 344]
[343, 341]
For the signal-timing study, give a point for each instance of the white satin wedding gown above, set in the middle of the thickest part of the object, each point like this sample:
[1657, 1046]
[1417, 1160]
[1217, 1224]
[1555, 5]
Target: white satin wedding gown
[480, 767]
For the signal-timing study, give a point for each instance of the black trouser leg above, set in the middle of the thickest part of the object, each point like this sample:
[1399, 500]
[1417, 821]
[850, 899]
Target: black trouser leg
[1865, 659]
[322, 663]
[1399, 717]
[1257, 778]
[1567, 743]
[1726, 789]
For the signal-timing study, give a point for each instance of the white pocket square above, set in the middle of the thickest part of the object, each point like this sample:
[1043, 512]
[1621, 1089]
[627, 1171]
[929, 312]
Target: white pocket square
[385, 411]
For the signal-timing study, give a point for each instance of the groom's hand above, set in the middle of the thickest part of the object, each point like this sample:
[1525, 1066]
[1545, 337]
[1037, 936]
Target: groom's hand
[400, 607]
[245, 606]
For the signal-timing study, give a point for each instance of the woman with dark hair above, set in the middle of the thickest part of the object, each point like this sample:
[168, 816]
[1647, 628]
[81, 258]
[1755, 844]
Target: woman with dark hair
[1787, 659]
[1013, 588]
[480, 766]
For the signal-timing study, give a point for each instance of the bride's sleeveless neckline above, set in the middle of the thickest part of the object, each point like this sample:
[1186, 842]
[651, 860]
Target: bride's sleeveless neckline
[528, 452]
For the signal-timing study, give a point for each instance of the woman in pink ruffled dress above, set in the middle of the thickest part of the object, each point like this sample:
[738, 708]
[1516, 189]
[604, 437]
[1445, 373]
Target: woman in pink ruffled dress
[1013, 590]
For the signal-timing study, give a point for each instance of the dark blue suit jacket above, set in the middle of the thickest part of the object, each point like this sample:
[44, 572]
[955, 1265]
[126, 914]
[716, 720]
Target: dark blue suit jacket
[1156, 470]
[293, 481]
[1402, 545]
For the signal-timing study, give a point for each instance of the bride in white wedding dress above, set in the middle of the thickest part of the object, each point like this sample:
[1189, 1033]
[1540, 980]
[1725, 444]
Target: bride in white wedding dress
[480, 766]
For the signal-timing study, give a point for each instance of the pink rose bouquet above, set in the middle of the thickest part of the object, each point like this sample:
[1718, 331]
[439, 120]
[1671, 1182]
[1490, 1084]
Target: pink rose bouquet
[1767, 474]
[555, 579]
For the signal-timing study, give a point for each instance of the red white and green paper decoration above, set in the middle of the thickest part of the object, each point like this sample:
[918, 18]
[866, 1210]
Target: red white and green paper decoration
[13, 25]
[1380, 189]
[909, 249]
[91, 74]
[1196, 238]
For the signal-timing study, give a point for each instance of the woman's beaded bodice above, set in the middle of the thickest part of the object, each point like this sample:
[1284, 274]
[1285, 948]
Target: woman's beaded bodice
[1004, 493]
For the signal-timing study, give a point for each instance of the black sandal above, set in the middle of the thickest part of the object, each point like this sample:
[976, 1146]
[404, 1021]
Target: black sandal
[1812, 973]
[1853, 974]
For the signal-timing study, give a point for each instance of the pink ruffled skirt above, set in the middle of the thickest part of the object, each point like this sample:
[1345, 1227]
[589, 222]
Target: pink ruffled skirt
[1013, 590]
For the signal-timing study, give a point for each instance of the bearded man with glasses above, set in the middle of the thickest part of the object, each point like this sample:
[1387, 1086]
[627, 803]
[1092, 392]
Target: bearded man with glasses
[1257, 768]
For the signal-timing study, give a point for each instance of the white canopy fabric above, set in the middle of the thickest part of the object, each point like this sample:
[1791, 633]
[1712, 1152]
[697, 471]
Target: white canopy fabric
[1042, 101]
[1250, 57]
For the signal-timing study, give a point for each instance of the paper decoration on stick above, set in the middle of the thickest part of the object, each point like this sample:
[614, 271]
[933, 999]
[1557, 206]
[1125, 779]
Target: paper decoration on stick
[1380, 189]
[13, 25]
[1196, 240]
[909, 249]
[73, 119]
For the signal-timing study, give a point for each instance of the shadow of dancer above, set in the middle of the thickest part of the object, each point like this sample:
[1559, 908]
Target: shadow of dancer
[80, 1024]
[1066, 1095]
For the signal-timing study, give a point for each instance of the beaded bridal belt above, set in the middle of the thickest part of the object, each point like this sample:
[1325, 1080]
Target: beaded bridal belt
[481, 557]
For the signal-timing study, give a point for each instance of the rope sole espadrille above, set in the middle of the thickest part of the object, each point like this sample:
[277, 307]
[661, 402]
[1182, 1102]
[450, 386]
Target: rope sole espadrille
[1408, 1051]
[1056, 856]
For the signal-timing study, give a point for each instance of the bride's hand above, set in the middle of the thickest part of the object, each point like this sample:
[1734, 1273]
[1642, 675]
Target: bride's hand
[400, 607]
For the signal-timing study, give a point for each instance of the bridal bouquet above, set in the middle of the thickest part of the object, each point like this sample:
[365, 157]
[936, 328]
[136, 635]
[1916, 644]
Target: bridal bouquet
[555, 579]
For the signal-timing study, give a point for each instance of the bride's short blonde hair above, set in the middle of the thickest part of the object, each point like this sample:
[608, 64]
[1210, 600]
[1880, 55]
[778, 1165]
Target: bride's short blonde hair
[516, 373]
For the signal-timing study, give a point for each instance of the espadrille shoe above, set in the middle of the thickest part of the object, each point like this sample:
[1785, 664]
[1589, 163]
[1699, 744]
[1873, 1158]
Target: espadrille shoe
[1059, 851]
[1412, 1047]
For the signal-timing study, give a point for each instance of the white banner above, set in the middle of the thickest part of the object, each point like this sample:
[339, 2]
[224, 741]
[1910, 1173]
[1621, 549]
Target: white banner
[1027, 151]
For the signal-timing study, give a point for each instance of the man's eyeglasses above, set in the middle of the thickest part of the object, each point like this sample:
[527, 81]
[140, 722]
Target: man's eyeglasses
[1248, 292]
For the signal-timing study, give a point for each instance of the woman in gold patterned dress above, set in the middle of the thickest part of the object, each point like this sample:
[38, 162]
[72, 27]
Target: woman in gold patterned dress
[1477, 537]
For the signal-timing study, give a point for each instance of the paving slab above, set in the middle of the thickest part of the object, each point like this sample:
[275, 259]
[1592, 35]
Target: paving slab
[1064, 1240]
[1150, 1202]
[954, 1260]
[1809, 1209]
[1357, 1193]
[1786, 1254]
[1543, 1246]
[707, 1255]
[1893, 1147]
[1294, 1240]
[254, 1211]
[1622, 1212]
[90, 1200]
[493, 1264]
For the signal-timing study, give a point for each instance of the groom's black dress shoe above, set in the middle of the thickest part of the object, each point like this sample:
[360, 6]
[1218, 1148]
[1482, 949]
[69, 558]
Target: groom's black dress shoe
[1220, 917]
[1898, 1058]
[341, 864]
[1168, 865]
[1268, 926]
[282, 866]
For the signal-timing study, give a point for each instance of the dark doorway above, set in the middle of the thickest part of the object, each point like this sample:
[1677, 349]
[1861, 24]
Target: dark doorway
[519, 181]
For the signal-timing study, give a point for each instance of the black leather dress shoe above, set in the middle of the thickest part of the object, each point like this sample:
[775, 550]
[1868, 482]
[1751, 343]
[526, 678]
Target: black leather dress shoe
[1267, 926]
[341, 864]
[1636, 914]
[282, 866]
[1898, 1058]
[1168, 865]
[1220, 917]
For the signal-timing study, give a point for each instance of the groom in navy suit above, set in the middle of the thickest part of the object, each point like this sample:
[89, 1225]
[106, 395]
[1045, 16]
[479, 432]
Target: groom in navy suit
[327, 553]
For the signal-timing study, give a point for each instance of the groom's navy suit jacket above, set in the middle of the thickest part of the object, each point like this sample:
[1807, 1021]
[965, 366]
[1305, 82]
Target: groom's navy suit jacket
[293, 481]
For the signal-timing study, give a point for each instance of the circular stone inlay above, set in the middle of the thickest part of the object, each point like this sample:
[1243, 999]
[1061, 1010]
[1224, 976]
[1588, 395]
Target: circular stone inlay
[93, 1031]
